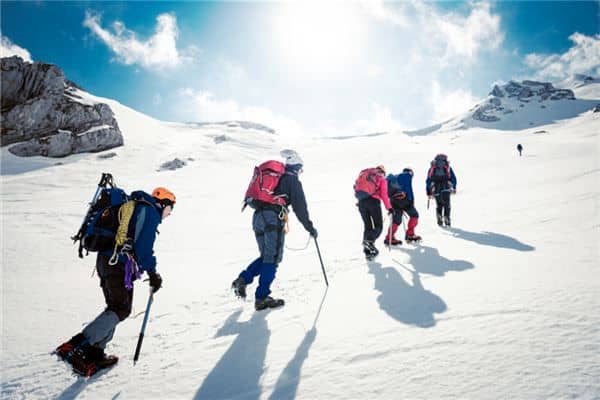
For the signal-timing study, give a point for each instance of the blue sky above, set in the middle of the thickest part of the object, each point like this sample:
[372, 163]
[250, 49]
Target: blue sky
[317, 68]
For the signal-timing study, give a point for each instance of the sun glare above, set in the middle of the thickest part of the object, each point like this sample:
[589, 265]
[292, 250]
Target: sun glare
[318, 39]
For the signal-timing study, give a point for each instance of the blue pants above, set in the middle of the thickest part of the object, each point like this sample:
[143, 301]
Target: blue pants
[266, 274]
[268, 230]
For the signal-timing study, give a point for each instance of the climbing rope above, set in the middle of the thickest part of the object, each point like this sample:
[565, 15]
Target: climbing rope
[299, 249]
[125, 213]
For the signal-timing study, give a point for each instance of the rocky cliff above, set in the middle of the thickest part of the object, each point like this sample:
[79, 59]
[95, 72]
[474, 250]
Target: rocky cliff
[42, 113]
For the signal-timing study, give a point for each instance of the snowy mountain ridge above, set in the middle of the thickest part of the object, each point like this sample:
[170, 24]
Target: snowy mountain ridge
[523, 105]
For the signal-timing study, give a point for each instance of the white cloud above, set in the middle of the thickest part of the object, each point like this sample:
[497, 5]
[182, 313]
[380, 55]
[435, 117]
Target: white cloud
[158, 51]
[380, 120]
[465, 37]
[374, 71]
[582, 58]
[8, 49]
[203, 106]
[448, 104]
[378, 10]
[453, 37]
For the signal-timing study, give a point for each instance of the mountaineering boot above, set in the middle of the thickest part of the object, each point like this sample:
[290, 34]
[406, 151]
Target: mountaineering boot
[268, 302]
[447, 220]
[395, 242]
[412, 238]
[370, 250]
[439, 220]
[239, 287]
[65, 350]
[87, 360]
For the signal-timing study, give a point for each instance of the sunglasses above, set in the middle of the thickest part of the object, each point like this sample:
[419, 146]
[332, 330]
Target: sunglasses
[167, 202]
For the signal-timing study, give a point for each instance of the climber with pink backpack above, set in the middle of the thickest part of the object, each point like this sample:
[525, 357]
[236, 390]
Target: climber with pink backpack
[370, 189]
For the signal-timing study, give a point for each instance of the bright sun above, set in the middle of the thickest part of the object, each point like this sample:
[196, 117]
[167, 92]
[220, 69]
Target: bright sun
[318, 39]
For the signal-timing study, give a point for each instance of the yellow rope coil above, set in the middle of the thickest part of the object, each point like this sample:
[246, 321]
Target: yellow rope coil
[125, 213]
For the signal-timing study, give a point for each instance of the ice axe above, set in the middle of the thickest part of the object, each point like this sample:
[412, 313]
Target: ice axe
[321, 260]
[141, 337]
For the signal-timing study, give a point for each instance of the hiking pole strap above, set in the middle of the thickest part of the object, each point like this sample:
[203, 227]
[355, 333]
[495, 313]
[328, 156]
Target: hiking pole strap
[321, 260]
[141, 337]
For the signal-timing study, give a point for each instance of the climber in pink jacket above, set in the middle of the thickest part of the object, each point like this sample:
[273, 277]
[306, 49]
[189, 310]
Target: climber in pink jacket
[371, 188]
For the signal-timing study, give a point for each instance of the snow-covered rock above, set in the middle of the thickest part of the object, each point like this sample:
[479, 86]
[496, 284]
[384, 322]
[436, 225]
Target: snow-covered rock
[45, 114]
[527, 104]
[507, 99]
[584, 86]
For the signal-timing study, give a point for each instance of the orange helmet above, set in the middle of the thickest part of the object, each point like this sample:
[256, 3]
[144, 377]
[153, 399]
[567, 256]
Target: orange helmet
[164, 196]
[382, 168]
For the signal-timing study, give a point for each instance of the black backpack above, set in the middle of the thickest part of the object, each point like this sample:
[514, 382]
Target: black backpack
[440, 169]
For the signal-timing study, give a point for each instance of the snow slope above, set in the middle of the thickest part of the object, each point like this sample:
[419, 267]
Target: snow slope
[503, 305]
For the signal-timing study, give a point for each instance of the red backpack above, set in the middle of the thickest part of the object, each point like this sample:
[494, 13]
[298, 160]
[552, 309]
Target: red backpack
[366, 182]
[261, 189]
[440, 169]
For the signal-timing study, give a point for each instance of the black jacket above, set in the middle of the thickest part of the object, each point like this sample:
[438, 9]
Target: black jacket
[290, 186]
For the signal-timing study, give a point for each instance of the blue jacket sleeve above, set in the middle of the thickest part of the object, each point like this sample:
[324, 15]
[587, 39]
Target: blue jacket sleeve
[453, 178]
[427, 185]
[147, 221]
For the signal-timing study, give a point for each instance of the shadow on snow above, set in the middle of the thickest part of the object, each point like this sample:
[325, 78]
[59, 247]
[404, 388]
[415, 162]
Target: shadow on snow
[427, 260]
[287, 383]
[238, 372]
[406, 303]
[491, 239]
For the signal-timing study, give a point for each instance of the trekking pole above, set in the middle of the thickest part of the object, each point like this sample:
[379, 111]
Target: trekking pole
[321, 260]
[428, 198]
[390, 235]
[141, 337]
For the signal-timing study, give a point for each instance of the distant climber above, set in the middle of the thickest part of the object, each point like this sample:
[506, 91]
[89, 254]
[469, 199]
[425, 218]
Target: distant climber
[440, 182]
[519, 148]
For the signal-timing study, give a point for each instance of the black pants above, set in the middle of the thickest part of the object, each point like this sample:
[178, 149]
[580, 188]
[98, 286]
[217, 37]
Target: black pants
[442, 201]
[118, 303]
[370, 211]
[112, 280]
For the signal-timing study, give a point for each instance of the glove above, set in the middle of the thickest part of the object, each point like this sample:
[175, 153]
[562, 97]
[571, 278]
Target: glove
[155, 281]
[313, 232]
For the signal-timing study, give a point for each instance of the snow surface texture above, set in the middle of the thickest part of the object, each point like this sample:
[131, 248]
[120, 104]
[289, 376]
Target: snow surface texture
[505, 304]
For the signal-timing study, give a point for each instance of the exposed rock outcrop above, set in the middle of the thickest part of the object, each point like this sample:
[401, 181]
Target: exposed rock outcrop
[508, 98]
[44, 114]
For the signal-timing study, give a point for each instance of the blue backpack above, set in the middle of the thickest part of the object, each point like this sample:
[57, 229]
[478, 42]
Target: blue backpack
[99, 227]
